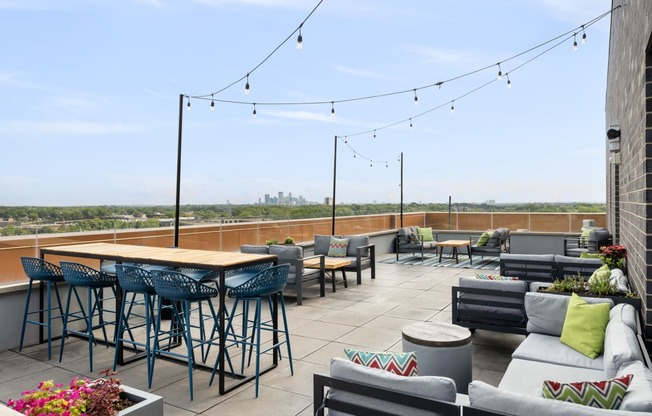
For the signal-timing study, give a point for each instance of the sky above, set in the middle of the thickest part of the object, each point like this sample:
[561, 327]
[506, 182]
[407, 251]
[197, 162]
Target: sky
[90, 92]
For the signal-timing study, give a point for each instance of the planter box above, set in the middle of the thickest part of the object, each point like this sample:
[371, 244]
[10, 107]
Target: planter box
[145, 404]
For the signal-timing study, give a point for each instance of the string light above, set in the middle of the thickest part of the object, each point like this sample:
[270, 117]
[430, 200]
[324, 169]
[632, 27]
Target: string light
[416, 99]
[509, 81]
[583, 36]
[354, 155]
[374, 131]
[212, 103]
[410, 121]
[247, 86]
[346, 139]
[254, 112]
[188, 106]
[386, 165]
[371, 165]
[453, 106]
[332, 109]
[300, 39]
[575, 41]
[500, 71]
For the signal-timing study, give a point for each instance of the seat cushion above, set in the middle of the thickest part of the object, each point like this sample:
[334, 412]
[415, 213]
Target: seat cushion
[639, 393]
[548, 349]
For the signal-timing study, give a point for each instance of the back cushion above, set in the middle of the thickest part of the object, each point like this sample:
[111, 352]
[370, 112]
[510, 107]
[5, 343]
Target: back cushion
[620, 346]
[625, 313]
[356, 241]
[322, 243]
[287, 252]
[252, 249]
[546, 312]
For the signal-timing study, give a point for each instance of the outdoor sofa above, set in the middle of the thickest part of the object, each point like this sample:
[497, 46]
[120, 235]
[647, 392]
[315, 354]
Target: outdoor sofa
[299, 277]
[359, 252]
[408, 240]
[541, 356]
[589, 241]
[498, 242]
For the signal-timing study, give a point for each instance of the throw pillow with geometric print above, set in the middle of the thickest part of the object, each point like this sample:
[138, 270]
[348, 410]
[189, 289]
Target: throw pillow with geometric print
[400, 363]
[607, 394]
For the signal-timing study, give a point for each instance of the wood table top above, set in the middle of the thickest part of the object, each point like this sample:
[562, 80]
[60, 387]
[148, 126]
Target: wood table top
[453, 243]
[329, 263]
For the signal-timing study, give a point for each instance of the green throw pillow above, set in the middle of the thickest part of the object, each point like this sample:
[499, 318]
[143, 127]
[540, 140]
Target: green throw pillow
[425, 233]
[585, 255]
[585, 326]
[607, 394]
[484, 238]
[603, 273]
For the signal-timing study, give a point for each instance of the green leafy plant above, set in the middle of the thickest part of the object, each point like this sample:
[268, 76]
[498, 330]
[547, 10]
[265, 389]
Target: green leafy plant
[601, 287]
[613, 256]
[568, 284]
[271, 242]
[289, 240]
[83, 397]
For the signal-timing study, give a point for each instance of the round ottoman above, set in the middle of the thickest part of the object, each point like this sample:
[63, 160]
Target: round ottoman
[442, 350]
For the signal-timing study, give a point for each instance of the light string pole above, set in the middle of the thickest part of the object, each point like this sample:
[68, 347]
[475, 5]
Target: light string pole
[178, 191]
[401, 185]
[334, 184]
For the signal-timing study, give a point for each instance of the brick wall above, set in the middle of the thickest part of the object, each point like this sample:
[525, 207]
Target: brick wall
[629, 106]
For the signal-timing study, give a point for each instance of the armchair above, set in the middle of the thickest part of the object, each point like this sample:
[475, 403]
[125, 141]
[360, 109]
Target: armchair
[359, 252]
[409, 241]
[499, 242]
[590, 242]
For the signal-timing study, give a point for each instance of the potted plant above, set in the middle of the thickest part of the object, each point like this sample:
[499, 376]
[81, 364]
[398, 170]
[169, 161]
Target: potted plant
[271, 242]
[289, 240]
[594, 288]
[100, 397]
[613, 256]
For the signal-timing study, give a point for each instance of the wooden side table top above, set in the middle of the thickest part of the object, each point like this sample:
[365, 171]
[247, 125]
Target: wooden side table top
[436, 334]
[453, 243]
[329, 263]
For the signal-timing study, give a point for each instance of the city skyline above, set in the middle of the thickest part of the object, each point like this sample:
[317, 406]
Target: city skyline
[93, 91]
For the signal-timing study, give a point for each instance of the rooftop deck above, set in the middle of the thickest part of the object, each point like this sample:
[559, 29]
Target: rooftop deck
[369, 316]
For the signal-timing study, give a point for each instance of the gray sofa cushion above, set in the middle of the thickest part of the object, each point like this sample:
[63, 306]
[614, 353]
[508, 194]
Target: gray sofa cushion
[431, 387]
[254, 249]
[527, 377]
[548, 349]
[485, 396]
[292, 255]
[546, 312]
[487, 313]
[639, 393]
[494, 240]
[528, 257]
[322, 243]
[620, 346]
[625, 313]
[356, 241]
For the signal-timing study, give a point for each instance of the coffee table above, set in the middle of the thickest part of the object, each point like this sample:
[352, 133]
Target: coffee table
[455, 244]
[330, 265]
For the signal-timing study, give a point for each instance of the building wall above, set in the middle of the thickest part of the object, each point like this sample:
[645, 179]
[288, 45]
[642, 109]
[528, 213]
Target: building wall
[629, 184]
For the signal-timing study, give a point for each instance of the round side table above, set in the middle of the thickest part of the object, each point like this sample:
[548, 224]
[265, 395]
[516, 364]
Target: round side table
[442, 350]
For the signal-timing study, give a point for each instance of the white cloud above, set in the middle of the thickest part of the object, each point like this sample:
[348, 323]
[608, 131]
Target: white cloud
[57, 128]
[358, 72]
[12, 79]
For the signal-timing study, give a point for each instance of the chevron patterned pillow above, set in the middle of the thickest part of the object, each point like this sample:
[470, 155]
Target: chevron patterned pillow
[400, 363]
[338, 247]
[606, 394]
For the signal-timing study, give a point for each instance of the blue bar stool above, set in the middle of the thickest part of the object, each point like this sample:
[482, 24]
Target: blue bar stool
[81, 276]
[44, 272]
[184, 292]
[263, 285]
[135, 281]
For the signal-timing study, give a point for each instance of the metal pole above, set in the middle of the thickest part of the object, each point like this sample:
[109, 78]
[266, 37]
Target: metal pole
[401, 189]
[334, 182]
[176, 212]
[449, 212]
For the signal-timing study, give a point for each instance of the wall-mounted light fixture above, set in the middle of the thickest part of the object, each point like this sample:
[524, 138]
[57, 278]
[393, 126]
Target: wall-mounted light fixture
[613, 134]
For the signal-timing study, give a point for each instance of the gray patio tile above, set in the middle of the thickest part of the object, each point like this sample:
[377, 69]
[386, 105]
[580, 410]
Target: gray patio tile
[371, 338]
[349, 317]
[324, 330]
[269, 402]
[409, 312]
[390, 323]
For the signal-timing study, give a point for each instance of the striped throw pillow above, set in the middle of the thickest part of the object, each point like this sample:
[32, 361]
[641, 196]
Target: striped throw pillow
[400, 363]
[483, 276]
[607, 394]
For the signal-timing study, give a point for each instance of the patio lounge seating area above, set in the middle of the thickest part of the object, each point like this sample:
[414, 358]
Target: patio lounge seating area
[368, 316]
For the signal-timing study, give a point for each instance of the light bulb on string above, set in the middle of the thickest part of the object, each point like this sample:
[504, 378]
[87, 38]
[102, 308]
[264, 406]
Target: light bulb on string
[583, 36]
[416, 99]
[374, 134]
[386, 165]
[500, 71]
[253, 114]
[212, 103]
[453, 106]
[354, 155]
[371, 165]
[509, 81]
[575, 41]
[299, 40]
[346, 139]
[188, 106]
[410, 122]
[332, 108]
[247, 86]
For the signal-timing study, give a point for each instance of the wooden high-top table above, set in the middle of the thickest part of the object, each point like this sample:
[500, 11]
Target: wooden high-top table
[219, 261]
[455, 244]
